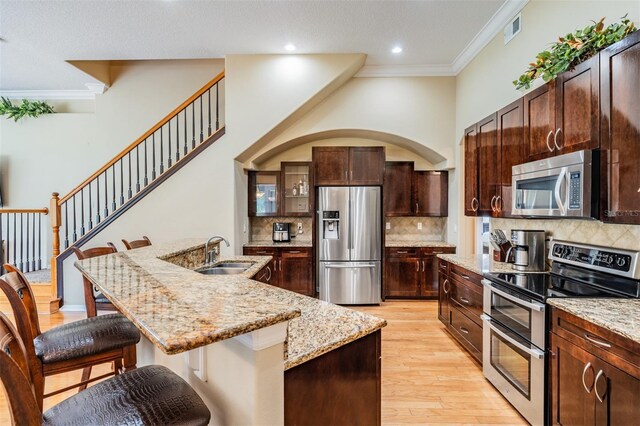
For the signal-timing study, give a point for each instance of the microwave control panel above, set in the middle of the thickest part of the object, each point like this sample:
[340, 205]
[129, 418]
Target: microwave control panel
[575, 183]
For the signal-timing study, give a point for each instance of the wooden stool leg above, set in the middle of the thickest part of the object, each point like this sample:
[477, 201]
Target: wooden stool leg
[117, 366]
[86, 375]
[129, 357]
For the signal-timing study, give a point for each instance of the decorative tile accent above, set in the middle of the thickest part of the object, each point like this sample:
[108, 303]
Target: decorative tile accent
[579, 231]
[262, 227]
[406, 228]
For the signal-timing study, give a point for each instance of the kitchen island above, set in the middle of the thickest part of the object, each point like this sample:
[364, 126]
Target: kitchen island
[254, 352]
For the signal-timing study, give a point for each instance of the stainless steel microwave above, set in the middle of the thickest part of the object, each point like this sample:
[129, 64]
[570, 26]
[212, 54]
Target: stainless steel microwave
[561, 186]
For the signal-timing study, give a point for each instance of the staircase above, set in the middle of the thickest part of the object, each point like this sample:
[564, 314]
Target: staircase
[136, 171]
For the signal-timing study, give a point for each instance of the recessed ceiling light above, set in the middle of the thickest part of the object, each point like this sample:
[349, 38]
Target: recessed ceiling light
[396, 49]
[290, 47]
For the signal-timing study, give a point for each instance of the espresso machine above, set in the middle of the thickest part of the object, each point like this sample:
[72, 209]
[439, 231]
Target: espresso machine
[528, 249]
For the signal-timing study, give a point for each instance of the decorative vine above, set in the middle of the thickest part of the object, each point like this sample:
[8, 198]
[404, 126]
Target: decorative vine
[26, 109]
[574, 48]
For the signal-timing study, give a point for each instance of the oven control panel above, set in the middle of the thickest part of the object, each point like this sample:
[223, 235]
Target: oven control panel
[614, 261]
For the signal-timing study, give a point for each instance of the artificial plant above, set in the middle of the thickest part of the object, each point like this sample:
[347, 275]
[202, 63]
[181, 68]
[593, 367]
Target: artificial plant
[574, 48]
[26, 109]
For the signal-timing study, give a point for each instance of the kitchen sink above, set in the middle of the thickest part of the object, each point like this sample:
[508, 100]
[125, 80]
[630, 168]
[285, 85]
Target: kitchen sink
[245, 265]
[226, 268]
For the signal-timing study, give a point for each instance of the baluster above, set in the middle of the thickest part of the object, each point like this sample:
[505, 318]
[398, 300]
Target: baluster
[39, 264]
[137, 170]
[217, 110]
[8, 254]
[129, 190]
[161, 151]
[73, 216]
[66, 224]
[33, 241]
[82, 229]
[15, 239]
[193, 125]
[113, 187]
[177, 137]
[146, 180]
[121, 180]
[90, 209]
[98, 199]
[169, 149]
[153, 151]
[106, 196]
[25, 243]
[209, 107]
[201, 122]
[185, 131]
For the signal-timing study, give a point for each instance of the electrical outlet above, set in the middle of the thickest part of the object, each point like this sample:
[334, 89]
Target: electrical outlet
[388, 226]
[300, 231]
[419, 226]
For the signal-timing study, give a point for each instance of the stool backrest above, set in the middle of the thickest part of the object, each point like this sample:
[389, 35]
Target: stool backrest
[89, 298]
[20, 285]
[145, 241]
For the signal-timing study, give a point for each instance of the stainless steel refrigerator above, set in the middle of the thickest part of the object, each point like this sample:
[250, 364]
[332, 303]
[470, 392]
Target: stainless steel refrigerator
[349, 239]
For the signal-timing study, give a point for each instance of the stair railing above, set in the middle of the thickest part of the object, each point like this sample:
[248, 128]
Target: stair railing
[136, 170]
[22, 242]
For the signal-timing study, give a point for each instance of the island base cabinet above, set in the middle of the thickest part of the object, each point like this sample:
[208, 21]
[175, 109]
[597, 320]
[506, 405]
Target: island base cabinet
[341, 387]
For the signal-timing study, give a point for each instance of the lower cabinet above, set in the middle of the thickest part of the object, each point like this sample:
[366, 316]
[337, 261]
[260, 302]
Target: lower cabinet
[595, 374]
[291, 268]
[460, 305]
[412, 272]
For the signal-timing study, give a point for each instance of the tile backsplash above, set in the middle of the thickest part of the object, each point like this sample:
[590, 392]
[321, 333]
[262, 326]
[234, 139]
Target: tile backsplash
[406, 228]
[262, 227]
[579, 231]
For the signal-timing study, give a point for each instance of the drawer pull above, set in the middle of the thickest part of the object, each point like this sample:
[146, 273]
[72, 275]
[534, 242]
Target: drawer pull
[597, 342]
[295, 252]
[261, 252]
[466, 277]
[402, 251]
[437, 252]
[444, 267]
[464, 330]
[465, 301]
[595, 386]
[584, 383]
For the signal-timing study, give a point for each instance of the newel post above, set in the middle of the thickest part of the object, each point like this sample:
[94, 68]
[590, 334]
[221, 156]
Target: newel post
[54, 209]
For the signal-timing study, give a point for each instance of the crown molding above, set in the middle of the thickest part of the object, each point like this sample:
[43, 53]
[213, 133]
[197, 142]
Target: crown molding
[96, 88]
[49, 94]
[405, 71]
[493, 27]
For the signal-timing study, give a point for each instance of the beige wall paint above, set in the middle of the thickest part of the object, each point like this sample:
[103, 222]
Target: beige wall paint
[485, 85]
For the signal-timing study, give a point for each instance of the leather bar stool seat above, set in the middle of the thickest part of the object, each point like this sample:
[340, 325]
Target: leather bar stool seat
[150, 395]
[85, 337]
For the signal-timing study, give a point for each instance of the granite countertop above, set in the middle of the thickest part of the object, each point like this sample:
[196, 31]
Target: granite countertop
[269, 243]
[479, 263]
[179, 309]
[417, 243]
[617, 315]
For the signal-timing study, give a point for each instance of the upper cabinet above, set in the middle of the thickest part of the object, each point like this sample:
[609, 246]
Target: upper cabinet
[431, 193]
[264, 193]
[620, 131]
[348, 165]
[488, 165]
[563, 115]
[471, 202]
[297, 188]
[397, 193]
[511, 148]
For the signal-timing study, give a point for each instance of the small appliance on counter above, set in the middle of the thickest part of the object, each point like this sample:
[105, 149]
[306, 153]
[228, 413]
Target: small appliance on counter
[501, 247]
[281, 232]
[528, 248]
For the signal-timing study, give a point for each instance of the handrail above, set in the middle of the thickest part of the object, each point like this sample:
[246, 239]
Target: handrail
[43, 211]
[141, 139]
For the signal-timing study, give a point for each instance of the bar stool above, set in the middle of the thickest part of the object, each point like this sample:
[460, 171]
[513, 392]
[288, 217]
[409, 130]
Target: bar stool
[130, 245]
[73, 346]
[151, 395]
[94, 301]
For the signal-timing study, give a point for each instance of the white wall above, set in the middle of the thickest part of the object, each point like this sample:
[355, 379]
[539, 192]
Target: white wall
[485, 85]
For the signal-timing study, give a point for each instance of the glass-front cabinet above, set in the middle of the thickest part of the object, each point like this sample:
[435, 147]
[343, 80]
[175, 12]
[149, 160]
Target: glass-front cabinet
[264, 193]
[297, 189]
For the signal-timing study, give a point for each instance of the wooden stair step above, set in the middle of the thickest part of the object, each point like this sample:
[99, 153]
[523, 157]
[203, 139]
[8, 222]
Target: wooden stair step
[44, 301]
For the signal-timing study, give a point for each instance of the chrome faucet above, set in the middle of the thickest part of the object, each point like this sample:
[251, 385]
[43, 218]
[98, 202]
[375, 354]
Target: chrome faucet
[212, 256]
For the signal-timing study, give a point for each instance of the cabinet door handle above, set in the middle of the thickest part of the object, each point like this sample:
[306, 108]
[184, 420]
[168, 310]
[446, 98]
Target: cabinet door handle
[584, 383]
[465, 301]
[498, 203]
[417, 209]
[423, 266]
[417, 266]
[444, 286]
[280, 266]
[595, 386]
[555, 139]
[269, 271]
[493, 207]
[474, 209]
[548, 145]
[346, 175]
[351, 174]
[597, 342]
[464, 330]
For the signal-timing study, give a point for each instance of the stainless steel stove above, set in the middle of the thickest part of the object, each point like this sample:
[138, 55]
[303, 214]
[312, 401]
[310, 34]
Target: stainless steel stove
[516, 317]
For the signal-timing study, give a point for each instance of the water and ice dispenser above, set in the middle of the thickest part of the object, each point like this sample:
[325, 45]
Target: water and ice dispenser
[331, 225]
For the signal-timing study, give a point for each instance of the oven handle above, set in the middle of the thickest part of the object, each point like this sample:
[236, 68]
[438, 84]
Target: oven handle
[536, 353]
[531, 305]
[556, 193]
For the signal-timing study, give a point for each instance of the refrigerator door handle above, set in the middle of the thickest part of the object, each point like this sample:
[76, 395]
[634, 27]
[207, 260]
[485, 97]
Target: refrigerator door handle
[341, 266]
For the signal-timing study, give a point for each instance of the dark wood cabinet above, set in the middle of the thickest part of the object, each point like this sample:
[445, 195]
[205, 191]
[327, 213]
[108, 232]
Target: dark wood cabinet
[539, 122]
[431, 193]
[291, 268]
[412, 272]
[511, 147]
[297, 189]
[460, 306]
[264, 193]
[348, 165]
[488, 165]
[471, 202]
[620, 131]
[397, 190]
[594, 374]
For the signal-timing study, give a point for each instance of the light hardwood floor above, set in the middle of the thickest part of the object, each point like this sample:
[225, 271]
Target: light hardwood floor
[427, 378]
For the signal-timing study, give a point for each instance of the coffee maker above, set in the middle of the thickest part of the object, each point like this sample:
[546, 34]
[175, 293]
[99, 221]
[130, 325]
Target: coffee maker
[281, 232]
[528, 250]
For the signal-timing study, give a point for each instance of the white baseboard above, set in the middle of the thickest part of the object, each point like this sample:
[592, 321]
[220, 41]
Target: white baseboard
[72, 308]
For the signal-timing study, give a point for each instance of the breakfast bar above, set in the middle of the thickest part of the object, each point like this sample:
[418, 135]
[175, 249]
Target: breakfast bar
[255, 353]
